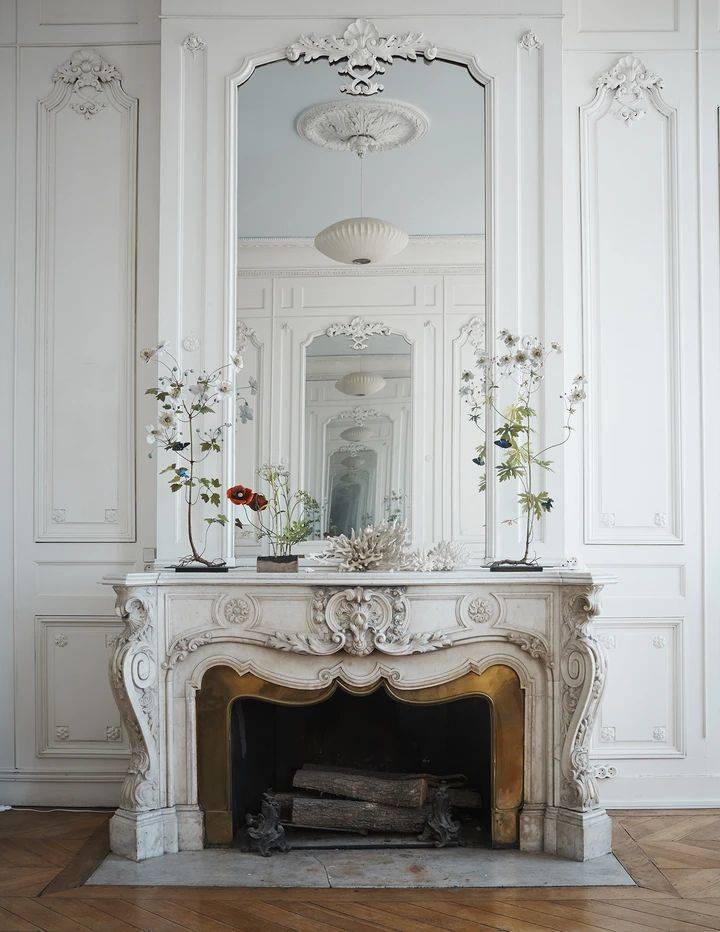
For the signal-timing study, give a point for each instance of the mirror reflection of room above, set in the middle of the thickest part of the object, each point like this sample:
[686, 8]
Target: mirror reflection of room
[358, 410]
[363, 212]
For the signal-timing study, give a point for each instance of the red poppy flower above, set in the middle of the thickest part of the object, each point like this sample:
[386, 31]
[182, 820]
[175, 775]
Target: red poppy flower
[258, 502]
[240, 495]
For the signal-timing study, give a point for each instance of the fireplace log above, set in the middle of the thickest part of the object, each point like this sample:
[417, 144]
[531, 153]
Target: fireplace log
[433, 779]
[360, 816]
[409, 793]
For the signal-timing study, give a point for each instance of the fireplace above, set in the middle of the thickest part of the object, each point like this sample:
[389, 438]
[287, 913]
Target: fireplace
[509, 663]
[253, 735]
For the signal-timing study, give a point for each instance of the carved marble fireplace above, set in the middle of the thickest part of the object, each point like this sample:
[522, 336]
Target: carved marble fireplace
[413, 633]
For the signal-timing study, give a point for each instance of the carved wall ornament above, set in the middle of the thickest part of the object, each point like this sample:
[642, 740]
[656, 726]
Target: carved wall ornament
[87, 73]
[111, 516]
[608, 641]
[133, 678]
[361, 127]
[62, 732]
[530, 40]
[59, 515]
[113, 733]
[659, 642]
[659, 733]
[583, 671]
[359, 621]
[364, 53]
[61, 640]
[357, 414]
[191, 343]
[607, 734]
[607, 519]
[194, 44]
[358, 330]
[605, 772]
[631, 83]
[660, 519]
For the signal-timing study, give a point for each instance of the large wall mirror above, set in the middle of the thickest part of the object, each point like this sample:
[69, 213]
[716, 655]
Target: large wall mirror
[361, 242]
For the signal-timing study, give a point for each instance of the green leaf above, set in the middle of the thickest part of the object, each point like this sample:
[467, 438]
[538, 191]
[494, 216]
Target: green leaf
[168, 468]
[175, 487]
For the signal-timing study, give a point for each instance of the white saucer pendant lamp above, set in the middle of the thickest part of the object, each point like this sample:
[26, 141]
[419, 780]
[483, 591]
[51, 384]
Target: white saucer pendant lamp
[361, 241]
[360, 384]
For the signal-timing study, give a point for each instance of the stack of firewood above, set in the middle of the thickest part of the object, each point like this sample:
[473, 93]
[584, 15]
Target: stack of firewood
[344, 799]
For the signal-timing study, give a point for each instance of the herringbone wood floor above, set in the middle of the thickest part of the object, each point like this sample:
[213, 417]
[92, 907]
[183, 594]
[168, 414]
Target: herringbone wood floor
[674, 857]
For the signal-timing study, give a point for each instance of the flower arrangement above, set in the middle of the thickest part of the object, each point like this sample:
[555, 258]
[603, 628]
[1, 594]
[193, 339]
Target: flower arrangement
[291, 515]
[521, 363]
[186, 399]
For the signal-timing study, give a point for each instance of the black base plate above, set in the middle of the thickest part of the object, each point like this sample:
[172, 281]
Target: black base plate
[521, 568]
[200, 569]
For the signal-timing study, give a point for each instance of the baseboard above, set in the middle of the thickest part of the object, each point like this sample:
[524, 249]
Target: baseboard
[82, 789]
[699, 803]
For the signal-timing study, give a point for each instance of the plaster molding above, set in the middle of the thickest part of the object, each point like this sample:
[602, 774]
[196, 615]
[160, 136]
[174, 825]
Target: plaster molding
[530, 40]
[362, 128]
[629, 81]
[364, 53]
[358, 330]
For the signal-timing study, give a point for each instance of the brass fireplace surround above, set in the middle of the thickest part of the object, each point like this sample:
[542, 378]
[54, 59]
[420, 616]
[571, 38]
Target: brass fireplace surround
[221, 685]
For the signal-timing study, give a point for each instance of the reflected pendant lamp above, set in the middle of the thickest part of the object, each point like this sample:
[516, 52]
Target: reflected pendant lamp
[361, 240]
[360, 384]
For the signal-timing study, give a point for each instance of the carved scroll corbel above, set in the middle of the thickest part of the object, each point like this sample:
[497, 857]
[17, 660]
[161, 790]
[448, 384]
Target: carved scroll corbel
[583, 669]
[133, 678]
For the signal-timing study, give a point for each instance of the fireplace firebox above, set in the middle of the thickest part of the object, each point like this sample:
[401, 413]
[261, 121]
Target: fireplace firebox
[253, 736]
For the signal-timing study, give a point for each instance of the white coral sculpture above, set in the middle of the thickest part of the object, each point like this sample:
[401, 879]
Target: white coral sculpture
[379, 546]
[446, 555]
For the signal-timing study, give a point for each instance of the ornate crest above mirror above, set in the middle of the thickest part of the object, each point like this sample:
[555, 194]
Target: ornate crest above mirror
[361, 241]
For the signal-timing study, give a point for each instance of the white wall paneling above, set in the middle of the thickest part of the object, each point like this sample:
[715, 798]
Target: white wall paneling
[629, 318]
[86, 165]
[85, 246]
[644, 659]
[71, 651]
[641, 261]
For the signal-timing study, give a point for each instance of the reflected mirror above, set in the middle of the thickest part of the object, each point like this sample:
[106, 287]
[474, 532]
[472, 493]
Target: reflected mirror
[358, 419]
[364, 211]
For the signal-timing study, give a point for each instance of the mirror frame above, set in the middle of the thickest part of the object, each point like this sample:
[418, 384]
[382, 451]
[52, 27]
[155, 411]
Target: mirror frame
[233, 82]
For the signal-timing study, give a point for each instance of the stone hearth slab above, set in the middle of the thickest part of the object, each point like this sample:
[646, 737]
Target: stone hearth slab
[337, 868]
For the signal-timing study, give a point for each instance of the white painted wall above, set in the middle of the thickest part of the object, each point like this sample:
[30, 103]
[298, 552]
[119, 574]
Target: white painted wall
[603, 233]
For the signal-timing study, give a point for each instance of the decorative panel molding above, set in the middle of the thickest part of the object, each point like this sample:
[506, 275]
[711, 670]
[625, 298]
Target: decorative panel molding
[620, 16]
[84, 360]
[362, 294]
[641, 715]
[74, 722]
[629, 153]
[467, 505]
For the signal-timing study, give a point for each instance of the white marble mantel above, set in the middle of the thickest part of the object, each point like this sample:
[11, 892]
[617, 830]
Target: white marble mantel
[309, 629]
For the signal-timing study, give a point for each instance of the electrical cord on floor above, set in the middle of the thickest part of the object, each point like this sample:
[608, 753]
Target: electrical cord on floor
[52, 809]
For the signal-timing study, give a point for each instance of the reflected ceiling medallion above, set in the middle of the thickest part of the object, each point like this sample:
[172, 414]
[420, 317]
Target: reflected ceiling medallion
[362, 126]
[360, 384]
[357, 434]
